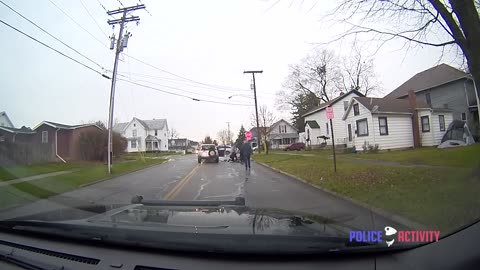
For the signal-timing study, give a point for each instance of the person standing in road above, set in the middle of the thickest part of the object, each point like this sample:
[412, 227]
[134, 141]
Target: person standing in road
[246, 153]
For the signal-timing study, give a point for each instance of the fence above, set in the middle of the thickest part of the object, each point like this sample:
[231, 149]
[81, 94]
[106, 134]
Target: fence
[25, 153]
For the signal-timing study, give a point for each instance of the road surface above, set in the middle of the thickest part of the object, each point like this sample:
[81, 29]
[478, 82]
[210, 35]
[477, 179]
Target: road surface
[182, 178]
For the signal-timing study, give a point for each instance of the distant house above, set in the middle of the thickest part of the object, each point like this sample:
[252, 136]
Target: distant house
[144, 135]
[444, 86]
[254, 140]
[389, 122]
[282, 134]
[318, 117]
[5, 121]
[178, 144]
[59, 141]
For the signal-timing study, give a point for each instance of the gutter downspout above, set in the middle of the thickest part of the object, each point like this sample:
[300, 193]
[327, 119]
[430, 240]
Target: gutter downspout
[13, 138]
[56, 146]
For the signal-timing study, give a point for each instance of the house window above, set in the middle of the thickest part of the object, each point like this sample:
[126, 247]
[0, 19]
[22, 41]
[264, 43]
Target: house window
[345, 105]
[362, 127]
[383, 125]
[155, 144]
[134, 125]
[282, 129]
[156, 133]
[464, 116]
[428, 99]
[356, 110]
[133, 144]
[134, 133]
[286, 140]
[441, 122]
[425, 123]
[44, 136]
[326, 124]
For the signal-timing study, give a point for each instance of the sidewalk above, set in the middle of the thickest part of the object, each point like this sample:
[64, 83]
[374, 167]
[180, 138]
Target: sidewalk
[34, 177]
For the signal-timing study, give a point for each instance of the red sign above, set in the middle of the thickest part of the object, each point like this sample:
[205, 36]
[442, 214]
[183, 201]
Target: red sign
[329, 113]
[248, 135]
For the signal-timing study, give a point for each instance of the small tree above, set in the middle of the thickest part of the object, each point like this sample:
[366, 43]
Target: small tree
[225, 136]
[241, 137]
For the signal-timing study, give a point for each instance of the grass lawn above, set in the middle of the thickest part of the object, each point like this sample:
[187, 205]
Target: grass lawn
[444, 198]
[466, 157]
[12, 172]
[42, 188]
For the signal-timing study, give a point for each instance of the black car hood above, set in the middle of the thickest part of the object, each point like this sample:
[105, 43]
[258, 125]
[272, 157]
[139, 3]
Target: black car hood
[228, 228]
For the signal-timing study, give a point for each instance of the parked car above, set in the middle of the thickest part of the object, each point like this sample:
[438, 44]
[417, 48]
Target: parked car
[295, 146]
[208, 152]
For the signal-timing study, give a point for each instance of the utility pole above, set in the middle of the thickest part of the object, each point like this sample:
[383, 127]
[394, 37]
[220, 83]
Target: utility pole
[256, 107]
[229, 139]
[121, 43]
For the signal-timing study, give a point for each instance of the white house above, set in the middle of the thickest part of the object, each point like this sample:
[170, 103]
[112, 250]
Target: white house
[5, 121]
[389, 123]
[319, 115]
[282, 134]
[144, 135]
[312, 133]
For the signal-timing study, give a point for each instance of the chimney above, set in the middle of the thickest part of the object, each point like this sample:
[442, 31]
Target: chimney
[412, 99]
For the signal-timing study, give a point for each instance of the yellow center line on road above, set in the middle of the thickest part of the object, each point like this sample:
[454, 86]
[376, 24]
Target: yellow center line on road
[175, 190]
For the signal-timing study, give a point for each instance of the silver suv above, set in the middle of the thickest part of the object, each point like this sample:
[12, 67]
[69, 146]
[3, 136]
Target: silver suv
[207, 152]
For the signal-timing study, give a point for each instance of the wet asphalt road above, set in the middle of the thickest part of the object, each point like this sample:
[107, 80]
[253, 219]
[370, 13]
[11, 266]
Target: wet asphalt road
[182, 178]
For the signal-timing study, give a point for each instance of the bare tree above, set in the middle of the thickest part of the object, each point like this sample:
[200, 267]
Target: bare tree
[224, 136]
[320, 77]
[265, 119]
[318, 73]
[173, 133]
[443, 24]
[358, 73]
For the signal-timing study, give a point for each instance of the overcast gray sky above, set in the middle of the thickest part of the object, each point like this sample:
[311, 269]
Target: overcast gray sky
[211, 42]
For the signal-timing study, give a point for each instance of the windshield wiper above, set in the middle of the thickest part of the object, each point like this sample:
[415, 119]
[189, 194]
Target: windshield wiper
[239, 201]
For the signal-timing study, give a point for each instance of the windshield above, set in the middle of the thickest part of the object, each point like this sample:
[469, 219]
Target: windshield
[349, 123]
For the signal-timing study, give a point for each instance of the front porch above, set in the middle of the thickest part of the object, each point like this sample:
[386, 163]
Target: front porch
[152, 143]
[282, 141]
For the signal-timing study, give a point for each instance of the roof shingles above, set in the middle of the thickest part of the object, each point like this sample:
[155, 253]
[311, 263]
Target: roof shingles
[427, 79]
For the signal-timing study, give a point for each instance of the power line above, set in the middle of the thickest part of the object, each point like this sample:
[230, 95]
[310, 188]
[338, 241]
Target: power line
[185, 96]
[66, 14]
[95, 21]
[186, 91]
[187, 83]
[185, 78]
[102, 6]
[57, 51]
[46, 32]
[120, 3]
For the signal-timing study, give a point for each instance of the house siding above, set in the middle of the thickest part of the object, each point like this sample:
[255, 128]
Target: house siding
[142, 133]
[400, 134]
[339, 126]
[457, 96]
[314, 133]
[43, 152]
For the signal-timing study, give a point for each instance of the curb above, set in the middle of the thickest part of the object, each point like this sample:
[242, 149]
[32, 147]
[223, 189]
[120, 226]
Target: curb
[396, 218]
[122, 174]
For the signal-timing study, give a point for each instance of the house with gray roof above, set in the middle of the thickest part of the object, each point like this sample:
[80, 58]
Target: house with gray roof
[444, 86]
[144, 135]
[389, 122]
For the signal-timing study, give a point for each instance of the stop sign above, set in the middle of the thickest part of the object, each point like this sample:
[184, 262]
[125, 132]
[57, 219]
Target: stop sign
[248, 135]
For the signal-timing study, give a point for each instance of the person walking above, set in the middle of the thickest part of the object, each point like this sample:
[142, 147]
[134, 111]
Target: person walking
[246, 153]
